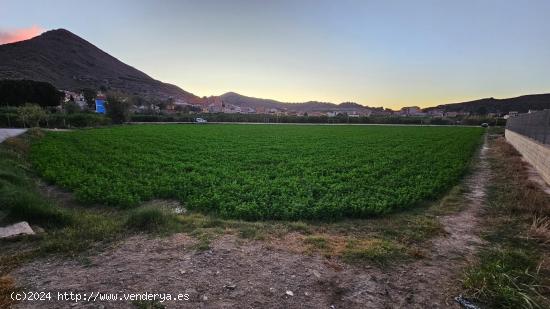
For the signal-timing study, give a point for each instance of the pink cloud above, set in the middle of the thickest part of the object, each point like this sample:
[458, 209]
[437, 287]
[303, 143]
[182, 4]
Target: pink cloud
[16, 35]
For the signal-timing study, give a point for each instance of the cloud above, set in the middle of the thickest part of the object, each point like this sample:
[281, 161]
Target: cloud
[16, 35]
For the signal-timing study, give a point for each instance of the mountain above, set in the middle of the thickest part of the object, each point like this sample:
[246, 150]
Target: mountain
[520, 104]
[72, 63]
[244, 101]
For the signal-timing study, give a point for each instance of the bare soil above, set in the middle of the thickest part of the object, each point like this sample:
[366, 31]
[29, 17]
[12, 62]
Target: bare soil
[237, 273]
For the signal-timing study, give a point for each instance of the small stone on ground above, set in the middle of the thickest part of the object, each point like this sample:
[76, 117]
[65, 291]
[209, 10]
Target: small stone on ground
[21, 228]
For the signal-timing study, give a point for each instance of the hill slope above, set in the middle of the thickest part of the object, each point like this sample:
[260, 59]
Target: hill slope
[520, 104]
[72, 63]
[241, 100]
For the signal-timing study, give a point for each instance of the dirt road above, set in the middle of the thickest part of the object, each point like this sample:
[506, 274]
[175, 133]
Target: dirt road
[7, 133]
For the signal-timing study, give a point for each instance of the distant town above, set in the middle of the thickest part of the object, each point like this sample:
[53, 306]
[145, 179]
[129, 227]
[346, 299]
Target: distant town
[216, 105]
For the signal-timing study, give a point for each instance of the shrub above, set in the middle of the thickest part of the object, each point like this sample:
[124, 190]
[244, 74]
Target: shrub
[31, 115]
[22, 204]
[118, 107]
[81, 120]
[149, 219]
[71, 108]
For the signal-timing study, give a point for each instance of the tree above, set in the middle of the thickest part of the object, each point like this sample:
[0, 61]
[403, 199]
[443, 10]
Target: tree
[30, 114]
[18, 92]
[118, 107]
[71, 107]
[89, 96]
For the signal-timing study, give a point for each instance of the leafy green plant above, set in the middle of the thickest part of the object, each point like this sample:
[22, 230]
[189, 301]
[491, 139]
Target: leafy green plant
[260, 172]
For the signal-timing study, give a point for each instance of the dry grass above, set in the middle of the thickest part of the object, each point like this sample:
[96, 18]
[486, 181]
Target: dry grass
[7, 286]
[19, 145]
[525, 197]
[328, 245]
[540, 229]
[510, 271]
[377, 251]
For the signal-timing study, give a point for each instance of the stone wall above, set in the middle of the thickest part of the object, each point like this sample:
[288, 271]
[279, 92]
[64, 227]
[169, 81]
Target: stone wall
[535, 153]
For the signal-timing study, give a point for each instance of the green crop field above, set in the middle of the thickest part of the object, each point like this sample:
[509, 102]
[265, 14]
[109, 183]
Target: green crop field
[260, 171]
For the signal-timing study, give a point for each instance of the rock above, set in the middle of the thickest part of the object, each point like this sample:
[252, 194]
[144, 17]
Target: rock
[316, 273]
[289, 293]
[180, 210]
[182, 271]
[230, 286]
[272, 290]
[205, 298]
[21, 228]
[307, 293]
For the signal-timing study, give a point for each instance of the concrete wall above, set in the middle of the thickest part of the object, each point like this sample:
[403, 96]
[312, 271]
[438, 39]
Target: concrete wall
[535, 153]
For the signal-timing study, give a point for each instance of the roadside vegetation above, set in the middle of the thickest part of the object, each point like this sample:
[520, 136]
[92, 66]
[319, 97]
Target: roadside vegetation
[27, 103]
[30, 115]
[473, 120]
[512, 271]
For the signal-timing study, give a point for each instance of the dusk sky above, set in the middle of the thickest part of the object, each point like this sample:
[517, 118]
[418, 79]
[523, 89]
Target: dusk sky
[377, 53]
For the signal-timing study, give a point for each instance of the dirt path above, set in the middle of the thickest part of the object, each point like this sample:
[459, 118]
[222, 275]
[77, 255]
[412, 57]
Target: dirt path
[431, 282]
[7, 133]
[249, 274]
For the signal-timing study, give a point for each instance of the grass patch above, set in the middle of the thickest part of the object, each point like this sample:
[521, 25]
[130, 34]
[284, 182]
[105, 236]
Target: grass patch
[193, 221]
[298, 226]
[19, 200]
[251, 231]
[510, 272]
[203, 243]
[411, 229]
[22, 205]
[69, 230]
[507, 277]
[317, 242]
[87, 230]
[150, 219]
[377, 251]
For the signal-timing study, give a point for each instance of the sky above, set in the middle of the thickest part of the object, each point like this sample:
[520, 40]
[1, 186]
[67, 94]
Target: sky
[376, 53]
